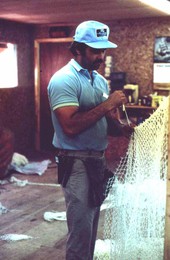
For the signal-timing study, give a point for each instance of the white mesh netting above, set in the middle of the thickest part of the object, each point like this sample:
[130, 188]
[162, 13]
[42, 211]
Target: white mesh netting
[135, 217]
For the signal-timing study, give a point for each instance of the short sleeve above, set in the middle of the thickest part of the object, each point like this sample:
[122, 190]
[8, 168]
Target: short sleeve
[63, 90]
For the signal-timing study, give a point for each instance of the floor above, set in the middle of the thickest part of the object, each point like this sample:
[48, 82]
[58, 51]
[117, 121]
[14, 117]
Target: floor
[26, 207]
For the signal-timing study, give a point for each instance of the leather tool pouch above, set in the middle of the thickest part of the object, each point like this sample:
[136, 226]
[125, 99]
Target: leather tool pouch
[65, 164]
[98, 176]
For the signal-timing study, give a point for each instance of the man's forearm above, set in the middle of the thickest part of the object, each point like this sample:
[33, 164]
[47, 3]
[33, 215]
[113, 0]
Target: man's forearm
[74, 121]
[82, 120]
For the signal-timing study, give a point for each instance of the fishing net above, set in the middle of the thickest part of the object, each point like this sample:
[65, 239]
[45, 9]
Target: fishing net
[135, 216]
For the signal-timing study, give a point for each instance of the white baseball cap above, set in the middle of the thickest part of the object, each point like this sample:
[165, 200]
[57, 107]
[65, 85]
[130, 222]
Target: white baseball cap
[94, 34]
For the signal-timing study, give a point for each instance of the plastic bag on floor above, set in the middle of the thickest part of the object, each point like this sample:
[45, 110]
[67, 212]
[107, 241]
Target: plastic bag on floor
[32, 167]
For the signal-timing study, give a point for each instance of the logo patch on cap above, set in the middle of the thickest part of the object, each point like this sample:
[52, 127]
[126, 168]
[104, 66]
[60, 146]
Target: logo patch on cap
[101, 32]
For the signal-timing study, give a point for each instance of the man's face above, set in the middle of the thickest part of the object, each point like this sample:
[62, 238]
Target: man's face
[93, 58]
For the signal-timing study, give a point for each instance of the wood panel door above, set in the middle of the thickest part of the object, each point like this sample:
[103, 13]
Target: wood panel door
[52, 56]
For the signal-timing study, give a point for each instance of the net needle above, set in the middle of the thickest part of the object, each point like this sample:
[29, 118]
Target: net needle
[124, 110]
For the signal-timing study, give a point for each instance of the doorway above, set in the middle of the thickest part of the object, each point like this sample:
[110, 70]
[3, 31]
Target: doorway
[50, 56]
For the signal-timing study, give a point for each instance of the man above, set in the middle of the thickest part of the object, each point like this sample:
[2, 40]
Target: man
[80, 104]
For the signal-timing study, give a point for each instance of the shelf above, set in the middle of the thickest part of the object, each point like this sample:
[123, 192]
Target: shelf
[139, 113]
[140, 107]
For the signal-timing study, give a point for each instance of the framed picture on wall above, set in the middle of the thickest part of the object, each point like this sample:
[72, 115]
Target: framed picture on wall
[161, 66]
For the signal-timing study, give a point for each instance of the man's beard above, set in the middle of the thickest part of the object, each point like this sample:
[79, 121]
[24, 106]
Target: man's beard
[96, 64]
[91, 65]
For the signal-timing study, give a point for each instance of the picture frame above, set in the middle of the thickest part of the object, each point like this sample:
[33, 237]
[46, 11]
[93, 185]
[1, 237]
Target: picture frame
[161, 65]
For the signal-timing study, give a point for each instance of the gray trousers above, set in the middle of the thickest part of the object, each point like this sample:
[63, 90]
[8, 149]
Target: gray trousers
[82, 220]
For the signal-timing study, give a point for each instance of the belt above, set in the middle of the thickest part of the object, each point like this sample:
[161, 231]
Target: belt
[78, 153]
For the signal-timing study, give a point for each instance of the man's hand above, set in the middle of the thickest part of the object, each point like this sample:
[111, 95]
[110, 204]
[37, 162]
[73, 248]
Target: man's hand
[117, 99]
[6, 150]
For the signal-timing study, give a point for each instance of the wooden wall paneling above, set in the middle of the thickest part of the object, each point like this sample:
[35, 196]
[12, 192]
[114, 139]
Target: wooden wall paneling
[37, 82]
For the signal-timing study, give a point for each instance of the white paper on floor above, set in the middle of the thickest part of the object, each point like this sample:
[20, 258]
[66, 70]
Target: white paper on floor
[23, 183]
[55, 215]
[3, 210]
[19, 159]
[2, 182]
[14, 237]
[20, 183]
[32, 167]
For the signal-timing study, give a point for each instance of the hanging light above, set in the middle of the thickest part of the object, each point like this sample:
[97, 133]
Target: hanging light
[3, 46]
[161, 5]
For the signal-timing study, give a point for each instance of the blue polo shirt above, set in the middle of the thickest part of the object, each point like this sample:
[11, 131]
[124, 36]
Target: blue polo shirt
[73, 86]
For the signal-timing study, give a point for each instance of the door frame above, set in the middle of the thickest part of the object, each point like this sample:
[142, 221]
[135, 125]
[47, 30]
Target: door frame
[37, 43]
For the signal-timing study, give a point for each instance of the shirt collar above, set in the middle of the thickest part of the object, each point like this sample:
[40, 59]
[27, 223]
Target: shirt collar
[78, 67]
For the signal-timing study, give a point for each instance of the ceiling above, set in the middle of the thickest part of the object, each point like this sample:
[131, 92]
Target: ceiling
[63, 12]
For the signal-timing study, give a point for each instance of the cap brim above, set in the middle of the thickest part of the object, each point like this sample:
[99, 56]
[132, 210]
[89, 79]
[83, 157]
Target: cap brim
[101, 44]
